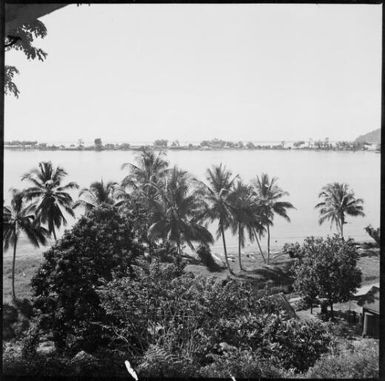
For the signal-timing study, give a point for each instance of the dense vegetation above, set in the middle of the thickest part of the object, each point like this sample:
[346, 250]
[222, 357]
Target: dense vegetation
[115, 286]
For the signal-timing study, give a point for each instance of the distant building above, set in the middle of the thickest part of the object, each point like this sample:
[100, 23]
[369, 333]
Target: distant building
[368, 298]
[371, 146]
[371, 314]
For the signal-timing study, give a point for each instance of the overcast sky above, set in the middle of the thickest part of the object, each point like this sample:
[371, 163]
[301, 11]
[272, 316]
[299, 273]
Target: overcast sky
[261, 72]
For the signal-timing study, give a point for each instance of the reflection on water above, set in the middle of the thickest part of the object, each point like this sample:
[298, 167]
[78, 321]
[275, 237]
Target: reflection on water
[301, 173]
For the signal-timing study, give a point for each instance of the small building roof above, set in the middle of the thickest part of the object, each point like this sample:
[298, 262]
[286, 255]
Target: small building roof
[371, 301]
[365, 289]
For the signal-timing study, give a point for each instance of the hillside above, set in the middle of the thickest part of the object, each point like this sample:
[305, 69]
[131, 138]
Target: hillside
[370, 137]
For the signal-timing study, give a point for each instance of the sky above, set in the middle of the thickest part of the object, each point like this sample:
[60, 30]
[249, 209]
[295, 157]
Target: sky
[255, 72]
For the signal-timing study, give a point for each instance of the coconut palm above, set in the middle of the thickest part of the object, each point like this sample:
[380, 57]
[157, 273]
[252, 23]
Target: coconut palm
[100, 193]
[150, 167]
[338, 201]
[19, 218]
[269, 194]
[246, 216]
[49, 195]
[216, 201]
[174, 210]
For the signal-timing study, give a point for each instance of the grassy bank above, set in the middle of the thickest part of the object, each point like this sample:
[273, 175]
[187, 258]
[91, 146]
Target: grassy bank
[275, 274]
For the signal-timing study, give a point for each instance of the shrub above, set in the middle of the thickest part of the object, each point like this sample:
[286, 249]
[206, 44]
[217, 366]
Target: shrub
[15, 323]
[357, 362]
[191, 317]
[293, 250]
[159, 362]
[10, 316]
[207, 259]
[239, 364]
[328, 269]
[100, 244]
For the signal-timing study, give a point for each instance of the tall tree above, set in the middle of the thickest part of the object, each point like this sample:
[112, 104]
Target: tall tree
[337, 202]
[174, 211]
[98, 193]
[49, 195]
[149, 168]
[19, 218]
[328, 269]
[247, 217]
[269, 195]
[217, 206]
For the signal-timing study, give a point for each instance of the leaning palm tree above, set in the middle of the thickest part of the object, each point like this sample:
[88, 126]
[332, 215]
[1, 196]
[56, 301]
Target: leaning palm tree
[174, 210]
[49, 195]
[338, 201]
[19, 218]
[99, 193]
[269, 194]
[246, 216]
[216, 201]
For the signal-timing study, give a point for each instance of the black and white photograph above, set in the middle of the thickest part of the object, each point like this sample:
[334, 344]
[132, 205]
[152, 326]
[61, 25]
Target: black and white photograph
[191, 190]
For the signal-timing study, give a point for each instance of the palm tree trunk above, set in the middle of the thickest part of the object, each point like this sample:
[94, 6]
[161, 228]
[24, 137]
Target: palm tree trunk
[268, 244]
[179, 253]
[13, 269]
[342, 226]
[239, 247]
[225, 250]
[259, 245]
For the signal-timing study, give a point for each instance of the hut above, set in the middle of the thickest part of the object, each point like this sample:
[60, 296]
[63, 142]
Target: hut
[371, 313]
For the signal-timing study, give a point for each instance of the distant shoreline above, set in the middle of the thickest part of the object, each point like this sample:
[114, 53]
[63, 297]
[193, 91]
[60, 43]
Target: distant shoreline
[186, 148]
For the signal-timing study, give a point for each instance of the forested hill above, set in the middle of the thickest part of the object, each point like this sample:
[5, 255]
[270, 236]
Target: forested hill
[371, 137]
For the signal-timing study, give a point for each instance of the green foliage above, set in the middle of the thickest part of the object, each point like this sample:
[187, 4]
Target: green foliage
[293, 250]
[161, 143]
[53, 365]
[98, 193]
[239, 363]
[204, 253]
[49, 194]
[220, 183]
[9, 86]
[20, 218]
[174, 209]
[191, 317]
[374, 233]
[269, 195]
[22, 39]
[328, 269]
[100, 244]
[338, 201]
[160, 362]
[357, 362]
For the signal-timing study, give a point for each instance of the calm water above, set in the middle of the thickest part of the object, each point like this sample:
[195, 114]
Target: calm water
[301, 173]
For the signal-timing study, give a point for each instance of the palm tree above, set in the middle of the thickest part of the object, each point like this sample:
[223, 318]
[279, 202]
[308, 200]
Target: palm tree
[151, 166]
[174, 210]
[99, 193]
[216, 203]
[338, 201]
[149, 169]
[269, 194]
[50, 196]
[246, 216]
[19, 218]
